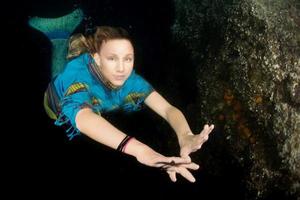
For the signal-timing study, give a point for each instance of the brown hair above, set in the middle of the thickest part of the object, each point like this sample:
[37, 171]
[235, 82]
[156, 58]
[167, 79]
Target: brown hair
[91, 43]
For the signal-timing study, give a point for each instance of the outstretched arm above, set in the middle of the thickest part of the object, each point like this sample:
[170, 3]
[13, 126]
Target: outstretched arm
[100, 130]
[187, 140]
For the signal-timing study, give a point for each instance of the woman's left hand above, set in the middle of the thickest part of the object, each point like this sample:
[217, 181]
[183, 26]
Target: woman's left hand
[191, 143]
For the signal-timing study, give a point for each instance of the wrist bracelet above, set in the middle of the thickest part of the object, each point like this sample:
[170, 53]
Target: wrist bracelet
[123, 143]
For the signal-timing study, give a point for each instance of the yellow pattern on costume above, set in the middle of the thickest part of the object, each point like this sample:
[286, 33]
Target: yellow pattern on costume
[114, 107]
[76, 87]
[132, 98]
[95, 101]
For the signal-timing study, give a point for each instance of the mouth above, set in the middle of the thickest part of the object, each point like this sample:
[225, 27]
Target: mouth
[119, 77]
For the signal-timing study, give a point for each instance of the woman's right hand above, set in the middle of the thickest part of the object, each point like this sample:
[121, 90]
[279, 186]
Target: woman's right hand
[181, 169]
[172, 165]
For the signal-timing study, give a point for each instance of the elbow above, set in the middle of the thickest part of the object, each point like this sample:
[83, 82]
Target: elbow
[81, 118]
[170, 111]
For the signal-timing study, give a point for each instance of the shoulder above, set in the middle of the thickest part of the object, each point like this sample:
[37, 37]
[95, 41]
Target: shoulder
[76, 65]
[136, 79]
[75, 71]
[137, 83]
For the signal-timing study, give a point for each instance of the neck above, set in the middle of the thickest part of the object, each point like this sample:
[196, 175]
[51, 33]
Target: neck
[96, 72]
[106, 82]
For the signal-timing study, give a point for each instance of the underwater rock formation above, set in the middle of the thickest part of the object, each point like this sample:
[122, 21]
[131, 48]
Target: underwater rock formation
[247, 57]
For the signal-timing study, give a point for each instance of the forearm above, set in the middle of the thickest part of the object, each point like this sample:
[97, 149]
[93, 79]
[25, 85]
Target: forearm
[178, 122]
[100, 130]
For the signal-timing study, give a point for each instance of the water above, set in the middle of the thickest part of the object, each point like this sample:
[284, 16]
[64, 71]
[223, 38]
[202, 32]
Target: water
[53, 164]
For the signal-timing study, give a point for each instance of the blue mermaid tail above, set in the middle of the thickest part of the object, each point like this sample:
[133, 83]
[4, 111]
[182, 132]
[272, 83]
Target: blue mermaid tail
[58, 30]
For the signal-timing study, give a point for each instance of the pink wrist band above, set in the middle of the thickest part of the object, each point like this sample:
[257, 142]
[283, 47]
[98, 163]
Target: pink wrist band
[123, 150]
[123, 143]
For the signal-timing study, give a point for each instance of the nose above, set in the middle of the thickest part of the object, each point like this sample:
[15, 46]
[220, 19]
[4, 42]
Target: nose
[120, 66]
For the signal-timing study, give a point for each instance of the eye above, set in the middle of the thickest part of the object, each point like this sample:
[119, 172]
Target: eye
[128, 59]
[111, 58]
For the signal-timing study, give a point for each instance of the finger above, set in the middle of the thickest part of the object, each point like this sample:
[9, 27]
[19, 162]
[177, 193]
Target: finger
[206, 127]
[192, 166]
[185, 173]
[172, 175]
[205, 130]
[201, 138]
[210, 129]
[205, 133]
[205, 137]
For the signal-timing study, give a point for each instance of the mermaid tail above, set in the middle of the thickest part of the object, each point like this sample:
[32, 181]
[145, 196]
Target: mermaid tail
[58, 30]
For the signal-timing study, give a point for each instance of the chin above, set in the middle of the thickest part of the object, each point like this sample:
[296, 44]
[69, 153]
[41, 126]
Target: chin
[118, 83]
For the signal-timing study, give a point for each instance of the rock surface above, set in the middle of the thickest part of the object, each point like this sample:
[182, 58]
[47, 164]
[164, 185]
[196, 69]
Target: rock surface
[247, 57]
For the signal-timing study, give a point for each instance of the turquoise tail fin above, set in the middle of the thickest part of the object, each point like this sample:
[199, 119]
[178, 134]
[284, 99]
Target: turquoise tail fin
[58, 30]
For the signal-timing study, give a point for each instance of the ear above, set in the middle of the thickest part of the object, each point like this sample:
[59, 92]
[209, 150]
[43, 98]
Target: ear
[96, 58]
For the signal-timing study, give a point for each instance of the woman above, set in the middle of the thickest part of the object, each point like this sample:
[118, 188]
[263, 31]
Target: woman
[100, 78]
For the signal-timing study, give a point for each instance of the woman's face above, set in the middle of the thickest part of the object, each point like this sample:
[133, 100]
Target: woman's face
[115, 60]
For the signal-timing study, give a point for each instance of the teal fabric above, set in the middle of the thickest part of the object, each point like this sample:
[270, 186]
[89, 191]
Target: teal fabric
[58, 30]
[77, 87]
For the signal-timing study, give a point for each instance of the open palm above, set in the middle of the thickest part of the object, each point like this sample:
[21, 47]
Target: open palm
[192, 143]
